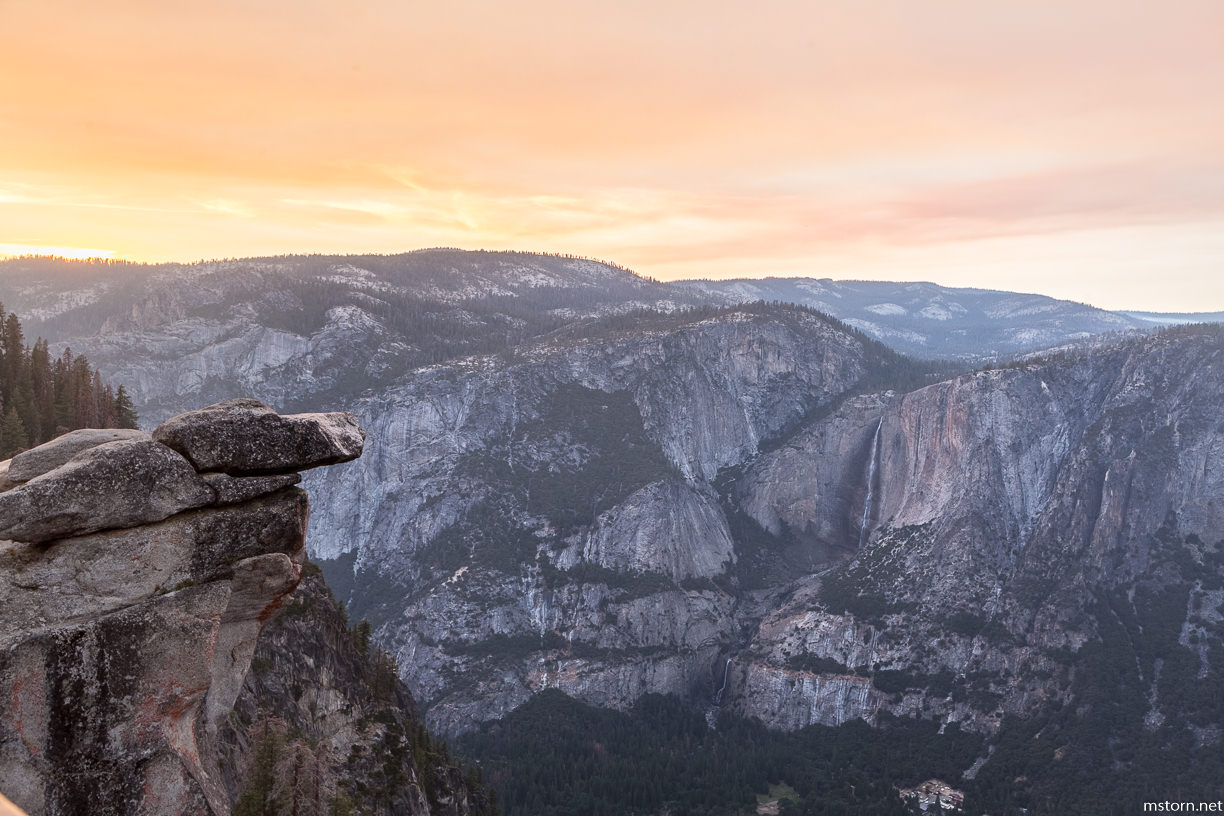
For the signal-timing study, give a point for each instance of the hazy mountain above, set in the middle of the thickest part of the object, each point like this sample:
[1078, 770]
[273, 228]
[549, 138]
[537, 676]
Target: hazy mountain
[1176, 318]
[306, 330]
[479, 301]
[927, 320]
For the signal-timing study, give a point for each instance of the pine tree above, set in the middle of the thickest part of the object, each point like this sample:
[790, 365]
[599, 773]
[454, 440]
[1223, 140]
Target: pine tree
[361, 637]
[98, 404]
[125, 413]
[258, 795]
[12, 340]
[13, 438]
[82, 394]
[65, 415]
[42, 379]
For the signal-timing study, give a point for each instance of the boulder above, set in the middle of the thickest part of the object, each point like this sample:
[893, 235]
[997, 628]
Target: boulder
[238, 489]
[245, 437]
[48, 456]
[117, 484]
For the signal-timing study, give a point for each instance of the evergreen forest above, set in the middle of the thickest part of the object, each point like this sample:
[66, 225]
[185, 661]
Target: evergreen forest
[43, 396]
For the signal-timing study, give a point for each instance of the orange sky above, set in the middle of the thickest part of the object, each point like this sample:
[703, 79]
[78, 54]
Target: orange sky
[1071, 147]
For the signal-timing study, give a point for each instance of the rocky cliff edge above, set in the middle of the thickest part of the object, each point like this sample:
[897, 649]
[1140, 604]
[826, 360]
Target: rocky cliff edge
[136, 575]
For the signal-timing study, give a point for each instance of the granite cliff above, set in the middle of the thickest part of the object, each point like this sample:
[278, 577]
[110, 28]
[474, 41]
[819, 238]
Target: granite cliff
[937, 551]
[552, 520]
[994, 513]
[753, 504]
[139, 573]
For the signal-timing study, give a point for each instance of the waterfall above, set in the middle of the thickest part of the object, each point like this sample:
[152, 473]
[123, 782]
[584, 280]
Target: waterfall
[871, 469]
[718, 696]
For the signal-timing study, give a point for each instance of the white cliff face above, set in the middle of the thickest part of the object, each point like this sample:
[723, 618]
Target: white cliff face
[791, 699]
[706, 395]
[198, 359]
[816, 484]
[666, 527]
[711, 392]
[600, 644]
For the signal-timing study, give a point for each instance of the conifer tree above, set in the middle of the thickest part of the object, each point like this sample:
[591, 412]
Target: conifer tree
[42, 397]
[13, 437]
[125, 413]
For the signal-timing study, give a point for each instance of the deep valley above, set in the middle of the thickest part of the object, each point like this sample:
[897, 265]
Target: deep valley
[596, 512]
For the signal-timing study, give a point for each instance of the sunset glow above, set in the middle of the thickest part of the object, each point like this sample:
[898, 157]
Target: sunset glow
[1074, 148]
[76, 253]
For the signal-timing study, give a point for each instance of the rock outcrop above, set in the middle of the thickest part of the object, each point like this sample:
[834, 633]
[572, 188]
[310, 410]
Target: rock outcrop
[27, 465]
[110, 486]
[246, 437]
[133, 591]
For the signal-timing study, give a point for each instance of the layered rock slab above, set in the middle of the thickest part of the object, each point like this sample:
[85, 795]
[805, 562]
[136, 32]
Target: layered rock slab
[116, 484]
[246, 437]
[88, 576]
[237, 489]
[47, 457]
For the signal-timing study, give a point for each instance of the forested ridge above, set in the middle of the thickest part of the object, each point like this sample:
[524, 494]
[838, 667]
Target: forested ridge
[42, 396]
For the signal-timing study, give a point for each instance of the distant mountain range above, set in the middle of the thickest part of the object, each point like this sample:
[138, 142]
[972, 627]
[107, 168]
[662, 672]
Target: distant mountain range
[60, 298]
[927, 320]
[1177, 318]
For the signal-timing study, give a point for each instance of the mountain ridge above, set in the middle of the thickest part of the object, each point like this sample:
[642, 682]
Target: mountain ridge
[68, 299]
[754, 499]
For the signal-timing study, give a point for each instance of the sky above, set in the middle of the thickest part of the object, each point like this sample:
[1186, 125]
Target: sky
[1069, 147]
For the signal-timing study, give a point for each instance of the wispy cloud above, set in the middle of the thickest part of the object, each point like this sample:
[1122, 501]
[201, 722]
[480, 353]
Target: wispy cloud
[879, 138]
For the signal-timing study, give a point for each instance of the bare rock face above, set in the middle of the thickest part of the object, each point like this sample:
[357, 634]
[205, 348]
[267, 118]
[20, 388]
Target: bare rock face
[237, 489]
[928, 552]
[668, 528]
[46, 457]
[90, 576]
[342, 719]
[246, 437]
[133, 597]
[554, 523]
[984, 517]
[116, 484]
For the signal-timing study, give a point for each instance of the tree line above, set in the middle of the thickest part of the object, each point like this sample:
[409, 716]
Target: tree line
[556, 756]
[43, 396]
